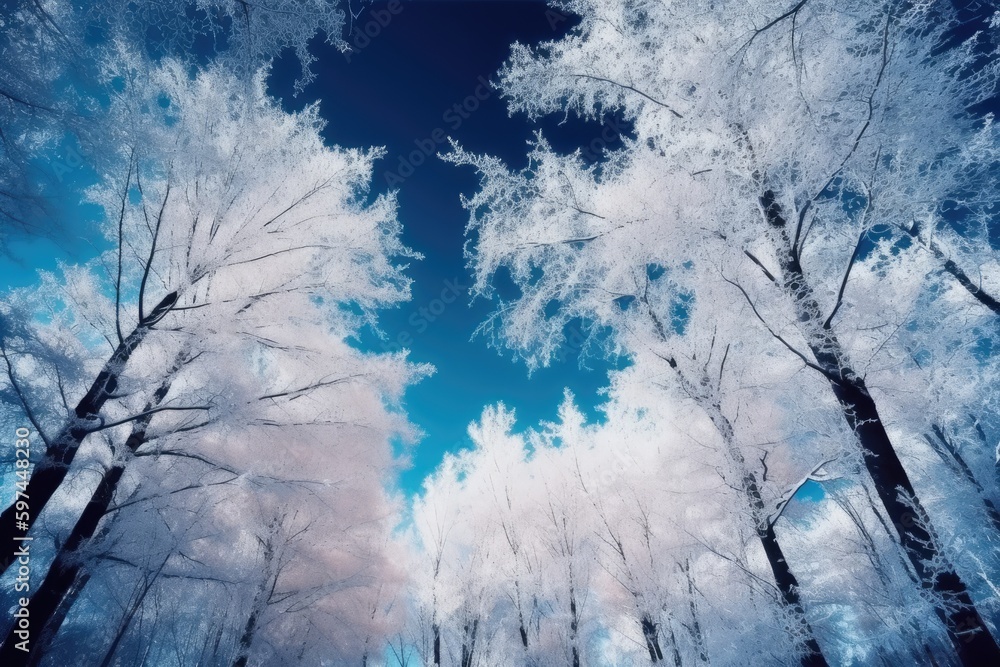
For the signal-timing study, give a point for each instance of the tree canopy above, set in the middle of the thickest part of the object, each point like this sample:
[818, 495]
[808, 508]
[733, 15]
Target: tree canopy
[791, 250]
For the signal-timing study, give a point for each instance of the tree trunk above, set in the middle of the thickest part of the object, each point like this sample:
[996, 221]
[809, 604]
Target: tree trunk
[651, 633]
[574, 621]
[957, 273]
[520, 615]
[698, 636]
[260, 600]
[436, 630]
[673, 645]
[788, 585]
[469, 642]
[51, 471]
[46, 638]
[971, 639]
[50, 595]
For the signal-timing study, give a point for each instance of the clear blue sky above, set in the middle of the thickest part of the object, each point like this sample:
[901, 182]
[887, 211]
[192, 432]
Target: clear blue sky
[395, 90]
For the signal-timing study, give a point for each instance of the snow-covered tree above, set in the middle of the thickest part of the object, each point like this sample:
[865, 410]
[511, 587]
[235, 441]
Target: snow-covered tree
[606, 543]
[211, 340]
[789, 168]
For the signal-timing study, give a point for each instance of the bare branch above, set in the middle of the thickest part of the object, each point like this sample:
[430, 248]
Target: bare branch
[791, 12]
[146, 413]
[763, 268]
[777, 336]
[20, 395]
[152, 252]
[295, 393]
[121, 250]
[847, 275]
[788, 495]
[631, 88]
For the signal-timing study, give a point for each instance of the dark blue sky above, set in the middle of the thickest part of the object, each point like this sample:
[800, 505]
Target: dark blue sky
[399, 90]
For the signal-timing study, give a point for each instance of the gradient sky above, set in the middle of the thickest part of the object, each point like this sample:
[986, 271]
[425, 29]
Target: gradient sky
[395, 90]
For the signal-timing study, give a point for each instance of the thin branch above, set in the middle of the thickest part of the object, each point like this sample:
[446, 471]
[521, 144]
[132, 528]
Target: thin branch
[542, 244]
[122, 561]
[847, 275]
[62, 389]
[871, 108]
[787, 497]
[763, 268]
[279, 252]
[951, 267]
[187, 455]
[20, 395]
[791, 12]
[722, 365]
[798, 243]
[298, 392]
[631, 88]
[152, 251]
[31, 105]
[121, 250]
[777, 336]
[585, 212]
[146, 413]
[189, 487]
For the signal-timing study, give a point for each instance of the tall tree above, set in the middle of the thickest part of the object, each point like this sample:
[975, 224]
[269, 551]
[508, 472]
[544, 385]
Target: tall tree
[270, 255]
[600, 515]
[874, 132]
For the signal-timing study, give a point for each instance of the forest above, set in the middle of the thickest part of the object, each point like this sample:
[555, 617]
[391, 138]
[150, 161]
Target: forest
[786, 257]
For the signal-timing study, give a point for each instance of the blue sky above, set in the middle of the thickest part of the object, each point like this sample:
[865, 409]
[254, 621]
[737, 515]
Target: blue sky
[399, 90]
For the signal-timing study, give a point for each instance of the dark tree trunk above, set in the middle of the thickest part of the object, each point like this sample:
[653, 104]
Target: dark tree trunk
[707, 400]
[788, 585]
[673, 645]
[520, 615]
[469, 642]
[260, 600]
[63, 572]
[969, 635]
[436, 630]
[652, 635]
[574, 624]
[46, 637]
[51, 471]
[49, 603]
[51, 595]
[696, 633]
[957, 273]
